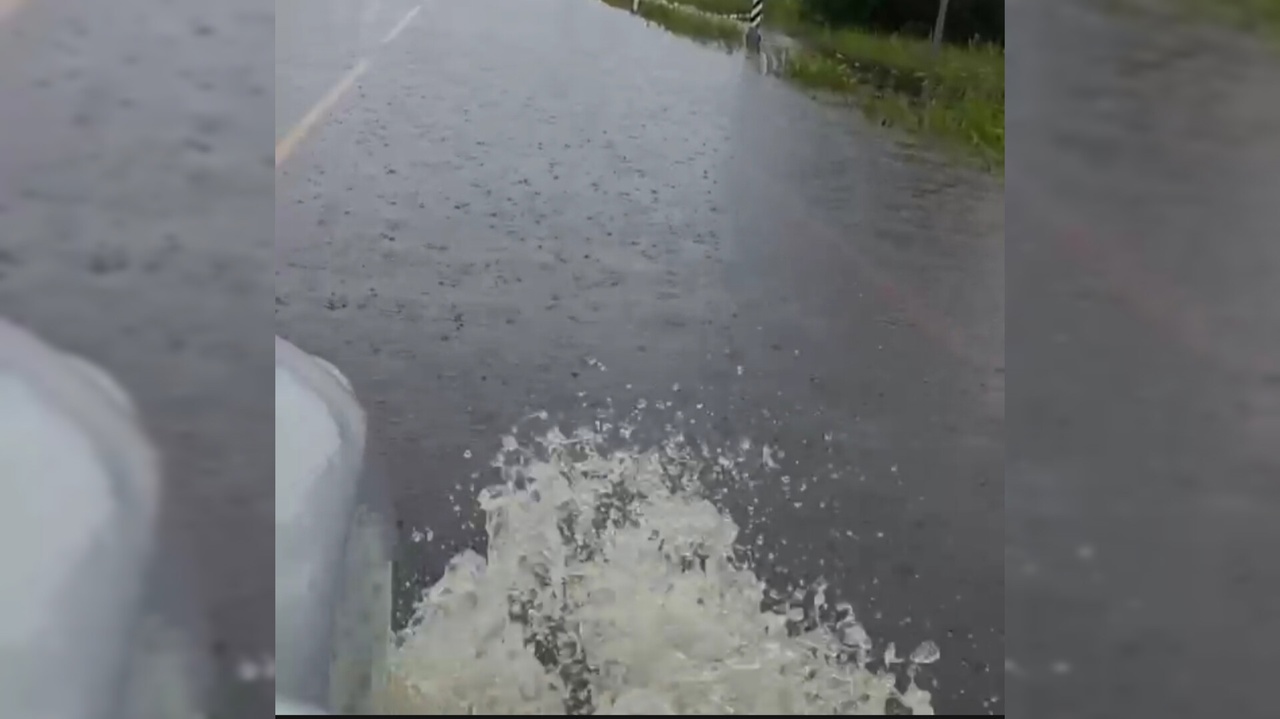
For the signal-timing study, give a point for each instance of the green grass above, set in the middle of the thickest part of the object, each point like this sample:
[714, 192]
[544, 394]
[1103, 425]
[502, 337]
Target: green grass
[720, 31]
[720, 7]
[703, 27]
[954, 95]
[821, 71]
[960, 119]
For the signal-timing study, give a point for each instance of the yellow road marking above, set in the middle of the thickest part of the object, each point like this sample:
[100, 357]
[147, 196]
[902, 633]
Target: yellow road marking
[287, 144]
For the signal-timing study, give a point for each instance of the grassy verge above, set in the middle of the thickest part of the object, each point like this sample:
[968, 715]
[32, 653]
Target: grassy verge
[955, 95]
[717, 30]
[719, 7]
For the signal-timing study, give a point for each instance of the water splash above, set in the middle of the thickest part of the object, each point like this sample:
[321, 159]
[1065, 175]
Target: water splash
[612, 585]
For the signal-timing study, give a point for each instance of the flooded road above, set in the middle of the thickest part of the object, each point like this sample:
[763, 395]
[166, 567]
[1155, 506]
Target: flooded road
[511, 207]
[1142, 459]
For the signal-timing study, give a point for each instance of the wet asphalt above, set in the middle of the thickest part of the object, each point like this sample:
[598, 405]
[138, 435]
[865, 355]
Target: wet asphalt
[135, 230]
[514, 188]
[1144, 353]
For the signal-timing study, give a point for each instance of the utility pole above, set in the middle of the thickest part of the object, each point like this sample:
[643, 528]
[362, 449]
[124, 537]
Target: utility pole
[940, 24]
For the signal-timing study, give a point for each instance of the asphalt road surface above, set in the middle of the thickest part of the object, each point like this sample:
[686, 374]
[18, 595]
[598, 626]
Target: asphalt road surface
[135, 230]
[1144, 355]
[475, 202]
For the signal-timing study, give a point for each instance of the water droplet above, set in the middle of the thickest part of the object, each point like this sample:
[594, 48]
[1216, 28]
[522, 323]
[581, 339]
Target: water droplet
[926, 653]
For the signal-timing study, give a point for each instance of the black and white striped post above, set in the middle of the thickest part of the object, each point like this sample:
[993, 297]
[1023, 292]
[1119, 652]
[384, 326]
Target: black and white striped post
[753, 25]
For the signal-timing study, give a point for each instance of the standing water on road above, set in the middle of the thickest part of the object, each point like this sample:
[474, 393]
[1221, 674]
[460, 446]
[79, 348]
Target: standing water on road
[518, 193]
[612, 585]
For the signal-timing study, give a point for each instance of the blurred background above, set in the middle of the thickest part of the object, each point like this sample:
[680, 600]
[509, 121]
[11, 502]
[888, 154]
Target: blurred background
[1143, 342]
[135, 231]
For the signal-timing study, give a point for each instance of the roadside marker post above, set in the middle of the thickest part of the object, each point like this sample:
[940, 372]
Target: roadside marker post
[753, 22]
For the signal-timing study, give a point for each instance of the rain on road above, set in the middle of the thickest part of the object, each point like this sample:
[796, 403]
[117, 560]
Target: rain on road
[502, 192]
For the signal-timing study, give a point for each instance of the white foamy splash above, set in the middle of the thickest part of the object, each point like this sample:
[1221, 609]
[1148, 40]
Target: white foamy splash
[612, 586]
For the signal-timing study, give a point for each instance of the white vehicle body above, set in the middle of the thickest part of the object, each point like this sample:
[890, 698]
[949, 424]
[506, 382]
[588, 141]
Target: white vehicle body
[333, 544]
[93, 622]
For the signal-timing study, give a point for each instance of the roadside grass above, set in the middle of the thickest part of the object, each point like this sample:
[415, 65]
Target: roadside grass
[704, 27]
[717, 30]
[954, 94]
[721, 7]
[820, 71]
